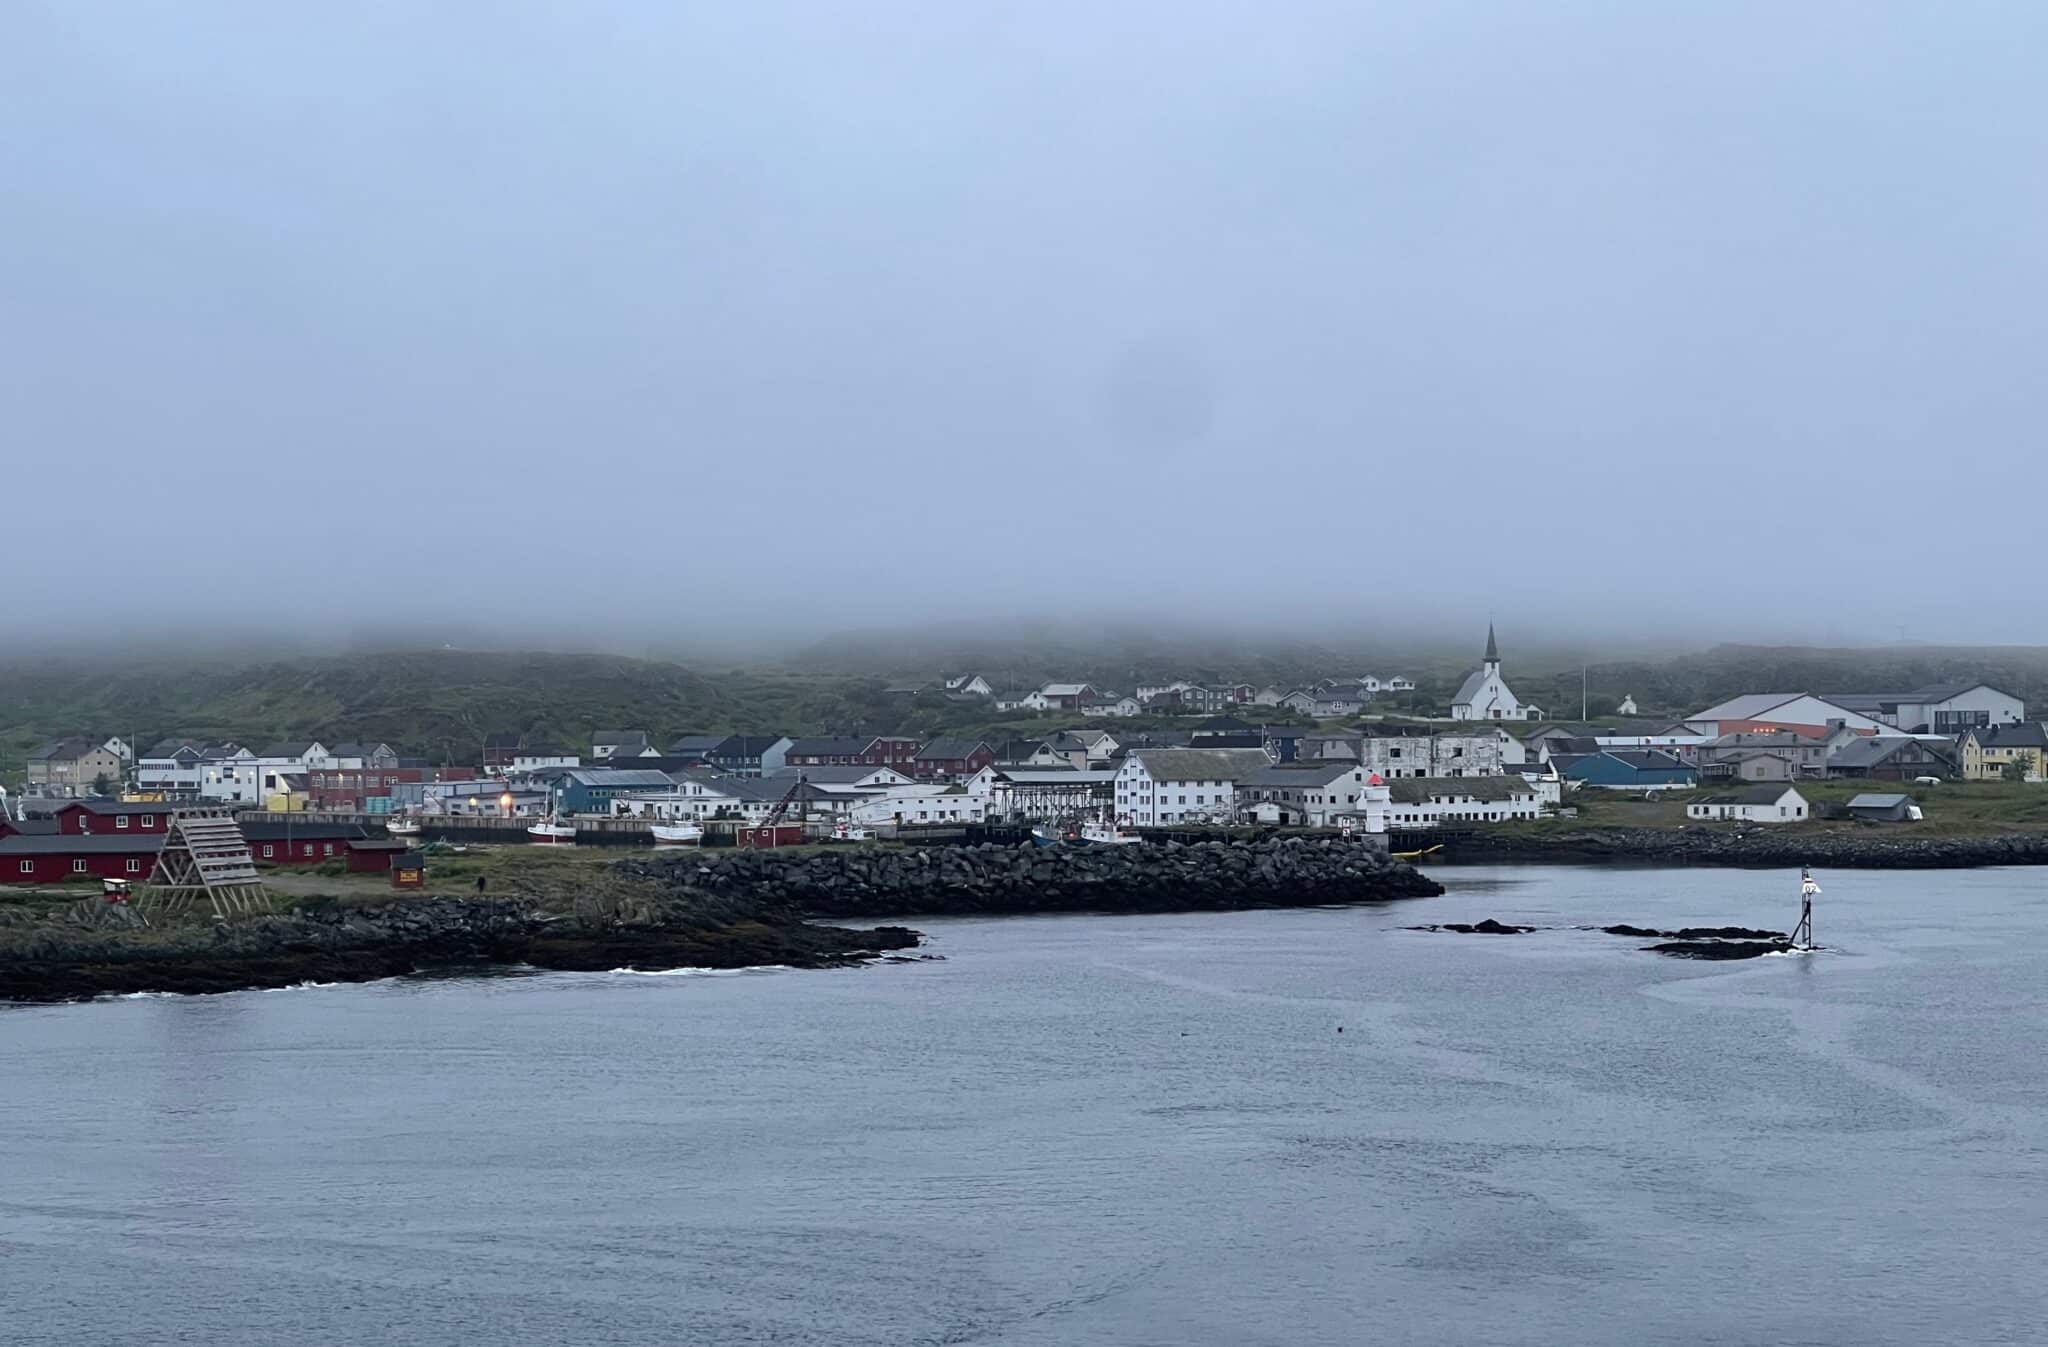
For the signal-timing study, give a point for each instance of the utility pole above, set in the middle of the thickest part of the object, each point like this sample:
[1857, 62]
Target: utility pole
[1582, 692]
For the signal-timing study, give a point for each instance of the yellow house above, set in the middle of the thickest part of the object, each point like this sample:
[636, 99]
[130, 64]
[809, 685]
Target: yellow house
[1988, 750]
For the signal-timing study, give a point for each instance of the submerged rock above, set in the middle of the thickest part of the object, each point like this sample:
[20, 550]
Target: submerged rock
[1487, 927]
[1720, 949]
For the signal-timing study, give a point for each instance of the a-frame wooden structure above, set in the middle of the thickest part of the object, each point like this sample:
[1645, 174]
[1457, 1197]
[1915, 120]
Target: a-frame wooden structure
[205, 856]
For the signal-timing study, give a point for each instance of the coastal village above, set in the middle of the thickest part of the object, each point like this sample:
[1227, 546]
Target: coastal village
[1167, 758]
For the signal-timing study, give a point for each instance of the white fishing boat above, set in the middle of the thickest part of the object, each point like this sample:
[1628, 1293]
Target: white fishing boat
[553, 832]
[677, 833]
[847, 832]
[1103, 833]
[402, 825]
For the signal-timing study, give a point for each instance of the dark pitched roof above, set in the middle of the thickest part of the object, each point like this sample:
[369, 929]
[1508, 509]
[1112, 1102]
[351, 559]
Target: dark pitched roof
[745, 745]
[109, 808]
[1417, 789]
[1879, 800]
[1293, 775]
[2026, 734]
[1869, 750]
[831, 746]
[1202, 764]
[63, 750]
[1227, 723]
[950, 750]
[832, 774]
[265, 830]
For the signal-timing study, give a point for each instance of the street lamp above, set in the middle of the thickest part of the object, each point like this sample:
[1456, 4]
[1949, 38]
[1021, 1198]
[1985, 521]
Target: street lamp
[505, 803]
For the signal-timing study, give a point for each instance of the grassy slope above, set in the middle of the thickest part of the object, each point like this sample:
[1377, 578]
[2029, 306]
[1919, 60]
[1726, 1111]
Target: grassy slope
[1953, 809]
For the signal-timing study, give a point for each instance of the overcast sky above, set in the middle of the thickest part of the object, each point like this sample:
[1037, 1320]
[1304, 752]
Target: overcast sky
[1721, 318]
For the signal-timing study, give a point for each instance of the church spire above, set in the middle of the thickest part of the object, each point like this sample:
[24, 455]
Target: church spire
[1492, 646]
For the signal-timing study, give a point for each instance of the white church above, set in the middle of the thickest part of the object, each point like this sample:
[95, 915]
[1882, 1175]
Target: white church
[1485, 695]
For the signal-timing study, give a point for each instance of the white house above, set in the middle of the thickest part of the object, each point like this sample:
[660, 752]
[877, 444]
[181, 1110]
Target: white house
[949, 804]
[1948, 709]
[1157, 786]
[1064, 696]
[1400, 684]
[1304, 794]
[1112, 706]
[1758, 804]
[1485, 695]
[1627, 707]
[849, 779]
[972, 685]
[535, 759]
[1426, 802]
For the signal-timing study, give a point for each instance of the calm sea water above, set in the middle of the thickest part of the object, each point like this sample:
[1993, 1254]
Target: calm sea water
[1084, 1130]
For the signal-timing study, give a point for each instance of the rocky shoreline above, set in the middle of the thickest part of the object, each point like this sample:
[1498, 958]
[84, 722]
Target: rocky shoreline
[701, 910]
[1761, 847]
[335, 943]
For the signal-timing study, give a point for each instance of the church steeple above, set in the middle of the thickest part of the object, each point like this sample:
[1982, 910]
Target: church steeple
[1492, 649]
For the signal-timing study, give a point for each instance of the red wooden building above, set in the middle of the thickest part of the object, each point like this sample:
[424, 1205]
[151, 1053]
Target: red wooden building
[296, 843]
[99, 818]
[37, 852]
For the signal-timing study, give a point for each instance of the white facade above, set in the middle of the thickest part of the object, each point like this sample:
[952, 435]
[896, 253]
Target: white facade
[1156, 787]
[1427, 804]
[524, 761]
[1761, 805]
[972, 684]
[914, 806]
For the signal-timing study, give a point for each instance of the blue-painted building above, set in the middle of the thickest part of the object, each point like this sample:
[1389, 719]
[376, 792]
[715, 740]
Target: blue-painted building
[590, 790]
[1627, 769]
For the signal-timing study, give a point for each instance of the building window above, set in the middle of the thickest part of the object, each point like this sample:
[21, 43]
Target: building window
[149, 820]
[28, 867]
[78, 867]
[120, 820]
[134, 867]
[269, 850]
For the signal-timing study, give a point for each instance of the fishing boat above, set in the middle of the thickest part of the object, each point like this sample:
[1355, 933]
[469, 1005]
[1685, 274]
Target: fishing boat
[1103, 833]
[847, 832]
[1048, 835]
[402, 825]
[677, 833]
[553, 832]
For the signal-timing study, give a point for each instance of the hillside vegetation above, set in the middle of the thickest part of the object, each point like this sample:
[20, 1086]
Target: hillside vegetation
[443, 703]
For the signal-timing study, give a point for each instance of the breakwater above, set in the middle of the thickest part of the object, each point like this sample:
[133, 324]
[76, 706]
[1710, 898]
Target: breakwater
[991, 879]
[331, 942]
[1879, 847]
[677, 910]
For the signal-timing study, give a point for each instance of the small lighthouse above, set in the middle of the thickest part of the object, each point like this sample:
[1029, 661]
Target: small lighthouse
[1802, 937]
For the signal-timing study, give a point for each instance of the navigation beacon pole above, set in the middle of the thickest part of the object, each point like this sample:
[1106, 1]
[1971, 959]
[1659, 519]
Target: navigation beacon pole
[1802, 938]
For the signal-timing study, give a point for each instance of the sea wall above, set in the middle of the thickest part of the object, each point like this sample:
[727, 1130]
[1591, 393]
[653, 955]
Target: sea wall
[329, 942]
[991, 879]
[1877, 847]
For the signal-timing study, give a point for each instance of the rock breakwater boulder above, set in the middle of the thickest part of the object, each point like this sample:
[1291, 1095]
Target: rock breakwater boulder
[991, 879]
